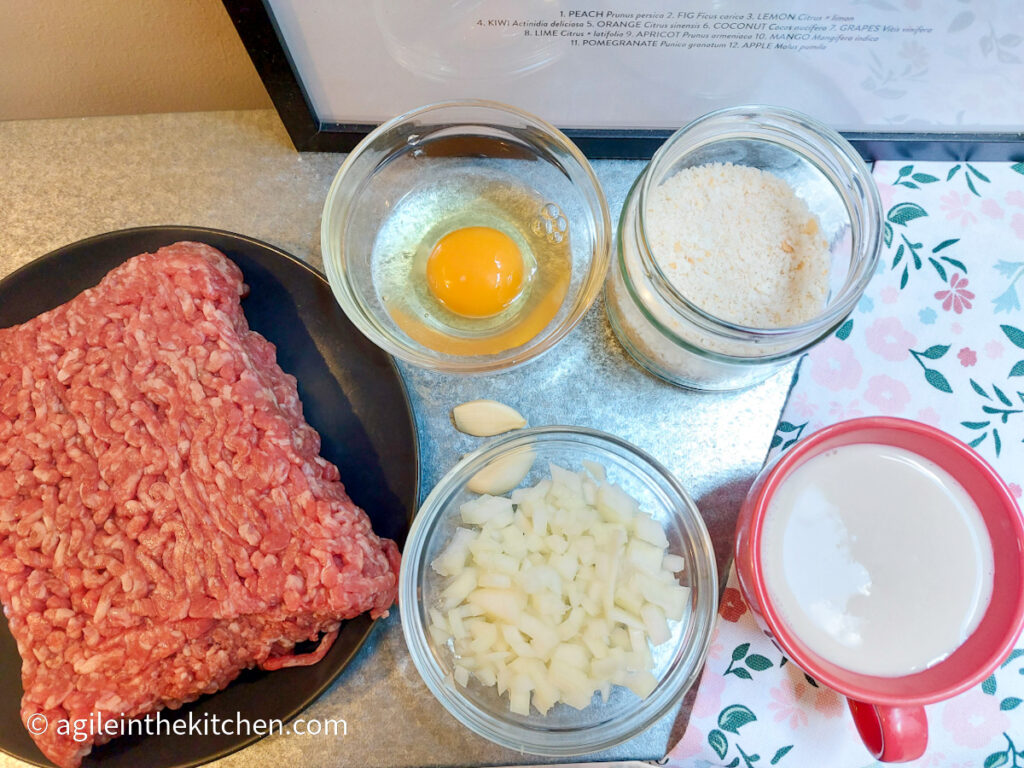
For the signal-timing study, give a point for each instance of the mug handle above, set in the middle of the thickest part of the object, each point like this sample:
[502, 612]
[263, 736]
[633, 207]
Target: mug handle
[891, 734]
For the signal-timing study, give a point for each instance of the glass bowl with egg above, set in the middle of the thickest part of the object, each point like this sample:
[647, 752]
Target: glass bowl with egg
[465, 236]
[571, 607]
[749, 238]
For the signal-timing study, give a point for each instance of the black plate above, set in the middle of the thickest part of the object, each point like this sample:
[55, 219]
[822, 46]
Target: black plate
[352, 394]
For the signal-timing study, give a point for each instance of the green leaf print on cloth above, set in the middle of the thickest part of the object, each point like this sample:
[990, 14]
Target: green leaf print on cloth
[755, 662]
[970, 175]
[913, 255]
[998, 410]
[907, 178]
[932, 375]
[731, 720]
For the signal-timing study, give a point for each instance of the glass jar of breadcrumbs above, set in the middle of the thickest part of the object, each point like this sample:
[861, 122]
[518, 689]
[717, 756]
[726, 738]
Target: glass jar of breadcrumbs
[748, 239]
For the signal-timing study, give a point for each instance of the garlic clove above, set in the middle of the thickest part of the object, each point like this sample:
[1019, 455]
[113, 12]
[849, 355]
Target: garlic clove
[503, 474]
[486, 418]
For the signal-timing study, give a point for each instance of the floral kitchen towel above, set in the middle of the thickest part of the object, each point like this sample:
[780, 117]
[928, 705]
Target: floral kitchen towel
[938, 337]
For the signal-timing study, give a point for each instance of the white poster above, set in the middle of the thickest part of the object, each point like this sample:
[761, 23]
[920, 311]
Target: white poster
[879, 65]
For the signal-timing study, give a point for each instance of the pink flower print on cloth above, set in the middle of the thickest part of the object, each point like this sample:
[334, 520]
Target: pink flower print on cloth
[840, 411]
[994, 350]
[710, 700]
[890, 396]
[802, 407]
[835, 366]
[786, 703]
[888, 338]
[941, 760]
[890, 294]
[716, 648]
[974, 719]
[957, 298]
[991, 209]
[1017, 225]
[956, 205]
[693, 744]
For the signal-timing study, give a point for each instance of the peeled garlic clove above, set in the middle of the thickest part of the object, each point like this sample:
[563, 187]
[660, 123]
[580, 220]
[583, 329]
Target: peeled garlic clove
[486, 418]
[502, 475]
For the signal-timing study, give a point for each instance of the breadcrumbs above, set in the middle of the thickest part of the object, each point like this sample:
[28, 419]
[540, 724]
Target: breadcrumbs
[740, 244]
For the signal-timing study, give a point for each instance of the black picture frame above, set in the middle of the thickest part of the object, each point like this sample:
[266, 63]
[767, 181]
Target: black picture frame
[262, 37]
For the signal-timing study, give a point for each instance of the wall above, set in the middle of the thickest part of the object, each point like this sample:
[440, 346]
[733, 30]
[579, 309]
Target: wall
[71, 58]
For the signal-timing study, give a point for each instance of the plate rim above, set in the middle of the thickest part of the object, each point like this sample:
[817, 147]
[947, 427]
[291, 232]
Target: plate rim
[315, 274]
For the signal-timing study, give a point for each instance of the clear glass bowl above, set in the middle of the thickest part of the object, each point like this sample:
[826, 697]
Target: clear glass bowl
[447, 166]
[680, 342]
[564, 731]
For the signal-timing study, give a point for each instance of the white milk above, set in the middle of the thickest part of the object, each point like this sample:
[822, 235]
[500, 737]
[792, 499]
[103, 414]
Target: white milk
[876, 559]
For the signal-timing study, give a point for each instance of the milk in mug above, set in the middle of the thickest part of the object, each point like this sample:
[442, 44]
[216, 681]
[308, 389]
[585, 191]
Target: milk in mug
[876, 559]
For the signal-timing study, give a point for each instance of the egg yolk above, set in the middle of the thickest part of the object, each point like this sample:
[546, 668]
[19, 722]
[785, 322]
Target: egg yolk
[475, 271]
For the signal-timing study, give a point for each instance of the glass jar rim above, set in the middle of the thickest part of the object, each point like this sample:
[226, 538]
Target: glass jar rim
[769, 124]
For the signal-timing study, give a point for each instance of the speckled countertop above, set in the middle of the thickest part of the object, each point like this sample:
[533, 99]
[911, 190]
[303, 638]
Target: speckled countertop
[64, 180]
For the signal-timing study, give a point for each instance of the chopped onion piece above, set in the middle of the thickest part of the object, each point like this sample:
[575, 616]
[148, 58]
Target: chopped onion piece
[495, 579]
[655, 623]
[459, 589]
[494, 509]
[673, 563]
[453, 559]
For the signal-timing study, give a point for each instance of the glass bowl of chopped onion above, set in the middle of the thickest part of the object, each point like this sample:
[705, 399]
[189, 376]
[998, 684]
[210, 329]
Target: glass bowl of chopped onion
[558, 591]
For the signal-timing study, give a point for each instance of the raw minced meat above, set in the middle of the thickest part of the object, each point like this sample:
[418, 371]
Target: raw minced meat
[166, 520]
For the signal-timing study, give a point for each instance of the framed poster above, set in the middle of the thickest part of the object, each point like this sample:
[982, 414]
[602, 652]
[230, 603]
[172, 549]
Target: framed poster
[913, 78]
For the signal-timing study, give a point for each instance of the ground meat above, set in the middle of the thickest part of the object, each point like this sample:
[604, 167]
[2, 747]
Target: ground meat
[166, 520]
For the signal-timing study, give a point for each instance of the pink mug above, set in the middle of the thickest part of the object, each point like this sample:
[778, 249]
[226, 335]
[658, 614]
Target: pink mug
[889, 711]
